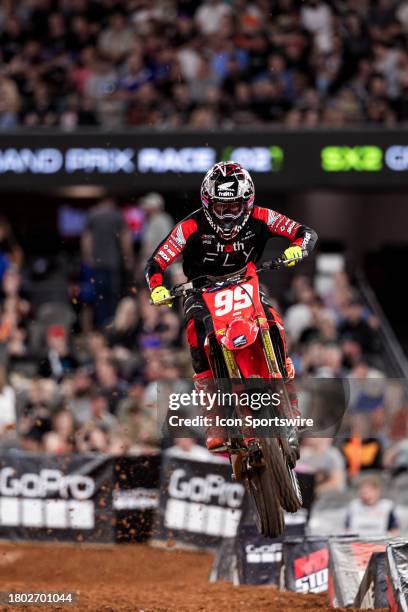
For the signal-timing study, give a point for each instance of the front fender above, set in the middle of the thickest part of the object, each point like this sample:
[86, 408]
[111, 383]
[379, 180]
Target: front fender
[240, 333]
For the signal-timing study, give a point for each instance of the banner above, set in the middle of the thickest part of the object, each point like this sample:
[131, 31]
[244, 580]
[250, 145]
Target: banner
[199, 505]
[397, 592]
[259, 559]
[63, 498]
[348, 561]
[135, 496]
[139, 159]
[372, 592]
[306, 564]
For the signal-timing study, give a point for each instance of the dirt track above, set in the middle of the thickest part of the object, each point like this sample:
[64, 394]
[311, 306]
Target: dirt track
[135, 578]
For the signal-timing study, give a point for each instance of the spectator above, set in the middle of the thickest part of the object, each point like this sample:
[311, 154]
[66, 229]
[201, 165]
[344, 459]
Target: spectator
[209, 15]
[117, 40]
[124, 330]
[9, 102]
[158, 224]
[107, 377]
[331, 363]
[58, 360]
[10, 251]
[98, 411]
[371, 515]
[8, 414]
[316, 17]
[319, 456]
[61, 439]
[355, 327]
[313, 64]
[107, 250]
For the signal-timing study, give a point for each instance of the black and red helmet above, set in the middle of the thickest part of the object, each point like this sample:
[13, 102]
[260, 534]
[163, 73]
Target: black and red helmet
[227, 196]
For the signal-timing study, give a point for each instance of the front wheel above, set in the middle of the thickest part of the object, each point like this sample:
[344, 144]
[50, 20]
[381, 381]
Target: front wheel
[268, 512]
[283, 477]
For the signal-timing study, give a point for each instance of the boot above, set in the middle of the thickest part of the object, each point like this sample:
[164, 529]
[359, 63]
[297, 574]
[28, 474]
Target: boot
[215, 437]
[292, 432]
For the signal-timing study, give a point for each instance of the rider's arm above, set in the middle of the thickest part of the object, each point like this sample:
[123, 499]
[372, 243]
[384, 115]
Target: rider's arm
[278, 224]
[168, 251]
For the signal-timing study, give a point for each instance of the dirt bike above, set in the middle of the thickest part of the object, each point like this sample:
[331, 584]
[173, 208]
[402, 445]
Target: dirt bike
[243, 345]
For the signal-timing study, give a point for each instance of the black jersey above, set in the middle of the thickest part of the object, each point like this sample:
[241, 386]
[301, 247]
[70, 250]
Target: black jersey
[203, 252]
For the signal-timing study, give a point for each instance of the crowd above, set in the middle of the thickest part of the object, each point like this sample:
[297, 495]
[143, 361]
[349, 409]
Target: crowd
[80, 373]
[173, 63]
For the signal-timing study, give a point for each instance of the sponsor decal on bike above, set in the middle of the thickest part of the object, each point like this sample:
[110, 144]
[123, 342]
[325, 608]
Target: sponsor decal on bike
[240, 341]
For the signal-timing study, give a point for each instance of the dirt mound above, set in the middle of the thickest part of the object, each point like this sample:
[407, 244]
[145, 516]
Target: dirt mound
[134, 578]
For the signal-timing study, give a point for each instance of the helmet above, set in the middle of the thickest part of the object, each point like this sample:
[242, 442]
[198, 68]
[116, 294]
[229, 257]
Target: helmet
[227, 196]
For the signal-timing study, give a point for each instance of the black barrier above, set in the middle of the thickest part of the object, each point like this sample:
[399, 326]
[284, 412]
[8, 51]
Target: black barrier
[259, 559]
[137, 159]
[250, 558]
[61, 498]
[306, 564]
[372, 592]
[397, 561]
[199, 505]
[135, 496]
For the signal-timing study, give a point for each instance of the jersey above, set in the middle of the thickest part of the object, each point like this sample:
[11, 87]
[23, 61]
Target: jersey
[204, 253]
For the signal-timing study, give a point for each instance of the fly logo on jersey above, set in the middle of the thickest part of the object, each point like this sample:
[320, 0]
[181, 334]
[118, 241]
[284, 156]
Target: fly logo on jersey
[226, 255]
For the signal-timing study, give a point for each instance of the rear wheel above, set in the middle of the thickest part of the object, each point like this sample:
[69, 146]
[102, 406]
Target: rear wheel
[268, 512]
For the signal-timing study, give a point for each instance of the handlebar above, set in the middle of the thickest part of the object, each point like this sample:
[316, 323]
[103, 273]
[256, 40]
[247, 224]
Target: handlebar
[187, 288]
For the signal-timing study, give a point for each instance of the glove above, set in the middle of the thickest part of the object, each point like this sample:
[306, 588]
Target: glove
[160, 293]
[293, 252]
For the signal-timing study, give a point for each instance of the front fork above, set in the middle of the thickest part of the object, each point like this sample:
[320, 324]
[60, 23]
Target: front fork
[241, 455]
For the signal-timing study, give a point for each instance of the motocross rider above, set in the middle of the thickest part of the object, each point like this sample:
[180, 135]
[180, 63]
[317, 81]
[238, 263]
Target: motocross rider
[222, 237]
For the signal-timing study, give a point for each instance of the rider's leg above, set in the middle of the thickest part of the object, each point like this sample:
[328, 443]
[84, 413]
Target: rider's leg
[196, 312]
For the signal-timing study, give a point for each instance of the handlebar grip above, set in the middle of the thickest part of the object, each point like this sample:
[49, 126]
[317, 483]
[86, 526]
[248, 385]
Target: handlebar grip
[165, 302]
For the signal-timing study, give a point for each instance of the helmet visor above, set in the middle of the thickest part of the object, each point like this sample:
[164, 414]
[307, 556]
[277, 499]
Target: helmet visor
[228, 210]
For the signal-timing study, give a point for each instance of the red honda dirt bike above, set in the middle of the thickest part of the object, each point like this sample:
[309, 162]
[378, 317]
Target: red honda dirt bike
[242, 345]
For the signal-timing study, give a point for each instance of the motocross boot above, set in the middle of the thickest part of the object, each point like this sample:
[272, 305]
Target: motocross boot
[292, 432]
[215, 436]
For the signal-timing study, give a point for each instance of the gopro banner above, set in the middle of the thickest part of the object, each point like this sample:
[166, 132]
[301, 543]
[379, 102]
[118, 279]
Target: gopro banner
[306, 563]
[397, 587]
[48, 497]
[198, 504]
[137, 159]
